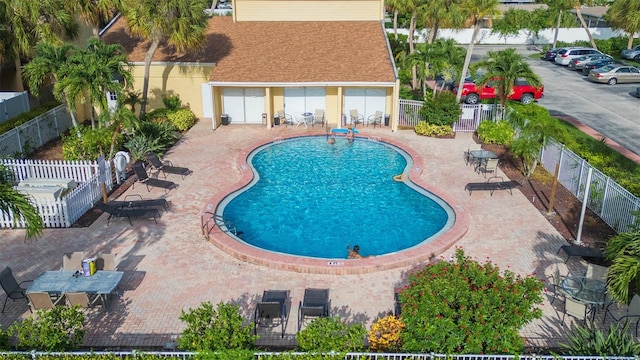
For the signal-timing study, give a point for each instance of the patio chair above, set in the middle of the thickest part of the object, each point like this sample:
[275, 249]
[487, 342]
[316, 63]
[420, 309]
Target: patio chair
[136, 201]
[271, 311]
[11, 287]
[166, 167]
[355, 117]
[468, 158]
[490, 166]
[556, 289]
[574, 308]
[128, 212]
[106, 262]
[81, 299]
[597, 272]
[284, 117]
[632, 312]
[42, 301]
[141, 173]
[314, 304]
[375, 119]
[318, 117]
[72, 261]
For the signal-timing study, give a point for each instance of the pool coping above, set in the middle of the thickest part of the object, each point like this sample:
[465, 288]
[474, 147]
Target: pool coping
[420, 253]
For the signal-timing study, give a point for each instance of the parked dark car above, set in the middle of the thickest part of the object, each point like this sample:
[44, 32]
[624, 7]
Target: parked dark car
[596, 64]
[550, 55]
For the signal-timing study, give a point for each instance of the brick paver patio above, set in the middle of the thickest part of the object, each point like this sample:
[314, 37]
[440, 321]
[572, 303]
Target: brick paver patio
[170, 266]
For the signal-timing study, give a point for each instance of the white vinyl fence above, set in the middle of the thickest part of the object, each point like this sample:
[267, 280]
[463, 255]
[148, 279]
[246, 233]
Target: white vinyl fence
[13, 104]
[31, 135]
[469, 120]
[69, 208]
[610, 201]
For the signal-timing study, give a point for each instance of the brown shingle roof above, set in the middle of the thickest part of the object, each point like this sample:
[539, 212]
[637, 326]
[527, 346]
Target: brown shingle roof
[346, 51]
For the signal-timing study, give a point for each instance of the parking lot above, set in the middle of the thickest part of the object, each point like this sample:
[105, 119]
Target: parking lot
[611, 110]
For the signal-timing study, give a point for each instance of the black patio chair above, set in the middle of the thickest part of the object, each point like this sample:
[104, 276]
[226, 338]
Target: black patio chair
[166, 167]
[144, 178]
[271, 311]
[315, 304]
[11, 286]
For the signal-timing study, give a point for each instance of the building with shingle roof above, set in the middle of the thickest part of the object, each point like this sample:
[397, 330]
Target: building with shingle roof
[294, 56]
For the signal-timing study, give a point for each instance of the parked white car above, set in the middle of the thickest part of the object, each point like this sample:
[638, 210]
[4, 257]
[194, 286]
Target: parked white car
[631, 54]
[565, 55]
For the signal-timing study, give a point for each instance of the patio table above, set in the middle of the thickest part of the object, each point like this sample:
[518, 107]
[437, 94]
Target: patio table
[102, 283]
[481, 156]
[587, 290]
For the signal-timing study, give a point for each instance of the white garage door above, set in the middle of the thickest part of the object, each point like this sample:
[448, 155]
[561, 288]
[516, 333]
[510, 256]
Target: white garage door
[244, 106]
[366, 101]
[302, 100]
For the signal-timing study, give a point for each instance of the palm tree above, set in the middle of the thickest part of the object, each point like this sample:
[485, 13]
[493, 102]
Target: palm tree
[444, 57]
[49, 65]
[180, 23]
[120, 119]
[577, 5]
[13, 201]
[27, 23]
[93, 12]
[623, 279]
[558, 7]
[624, 15]
[476, 10]
[503, 68]
[397, 7]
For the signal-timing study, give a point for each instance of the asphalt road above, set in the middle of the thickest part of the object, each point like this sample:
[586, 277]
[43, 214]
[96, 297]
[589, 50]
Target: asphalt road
[610, 110]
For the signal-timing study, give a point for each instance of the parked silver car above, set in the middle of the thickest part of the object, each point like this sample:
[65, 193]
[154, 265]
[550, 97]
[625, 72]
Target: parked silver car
[578, 63]
[613, 74]
[631, 54]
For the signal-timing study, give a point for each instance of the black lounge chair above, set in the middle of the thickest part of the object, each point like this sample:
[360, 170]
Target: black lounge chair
[128, 212]
[166, 167]
[11, 286]
[314, 304]
[271, 311]
[136, 201]
[141, 173]
[583, 251]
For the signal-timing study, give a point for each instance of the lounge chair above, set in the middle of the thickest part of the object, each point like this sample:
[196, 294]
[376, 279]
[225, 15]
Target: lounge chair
[583, 251]
[11, 286]
[166, 167]
[314, 304]
[141, 173]
[318, 117]
[375, 119]
[136, 201]
[355, 117]
[72, 261]
[128, 212]
[271, 311]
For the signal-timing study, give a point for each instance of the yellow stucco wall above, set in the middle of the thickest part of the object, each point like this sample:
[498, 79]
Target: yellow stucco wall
[170, 79]
[300, 10]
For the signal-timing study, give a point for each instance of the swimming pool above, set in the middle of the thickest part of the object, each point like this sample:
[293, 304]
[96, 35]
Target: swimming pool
[309, 198]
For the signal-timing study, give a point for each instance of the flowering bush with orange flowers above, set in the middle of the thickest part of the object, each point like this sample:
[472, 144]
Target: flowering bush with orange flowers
[384, 335]
[466, 307]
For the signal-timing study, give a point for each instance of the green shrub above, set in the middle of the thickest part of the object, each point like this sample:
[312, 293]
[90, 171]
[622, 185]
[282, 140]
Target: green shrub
[443, 109]
[331, 334]
[209, 329]
[182, 119]
[24, 117]
[592, 341]
[157, 115]
[57, 329]
[464, 307]
[499, 132]
[426, 129]
[172, 102]
[139, 146]
[85, 143]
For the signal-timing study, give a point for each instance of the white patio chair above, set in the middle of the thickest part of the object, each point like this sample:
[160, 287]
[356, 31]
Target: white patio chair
[375, 119]
[356, 117]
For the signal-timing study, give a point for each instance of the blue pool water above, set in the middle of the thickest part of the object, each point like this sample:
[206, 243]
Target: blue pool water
[310, 198]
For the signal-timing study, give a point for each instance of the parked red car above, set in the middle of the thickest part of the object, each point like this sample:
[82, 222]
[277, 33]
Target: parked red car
[522, 91]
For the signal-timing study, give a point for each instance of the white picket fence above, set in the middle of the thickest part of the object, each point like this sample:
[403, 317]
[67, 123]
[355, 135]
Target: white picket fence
[68, 209]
